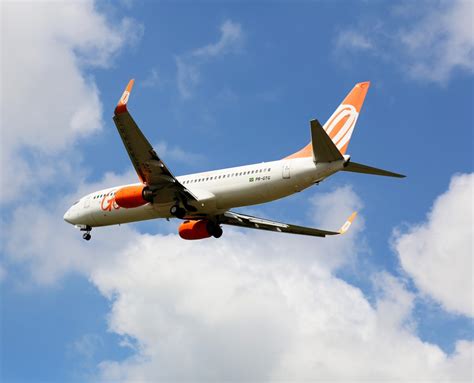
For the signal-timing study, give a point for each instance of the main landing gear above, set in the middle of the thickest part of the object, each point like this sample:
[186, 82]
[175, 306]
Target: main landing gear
[216, 231]
[177, 211]
[87, 235]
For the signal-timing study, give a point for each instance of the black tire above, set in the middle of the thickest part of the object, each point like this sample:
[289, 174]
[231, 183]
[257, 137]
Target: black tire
[86, 236]
[217, 232]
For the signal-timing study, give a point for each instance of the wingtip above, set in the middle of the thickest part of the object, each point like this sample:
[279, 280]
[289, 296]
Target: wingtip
[348, 223]
[122, 104]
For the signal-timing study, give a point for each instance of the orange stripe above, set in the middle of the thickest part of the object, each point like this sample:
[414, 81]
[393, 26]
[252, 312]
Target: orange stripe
[344, 148]
[338, 127]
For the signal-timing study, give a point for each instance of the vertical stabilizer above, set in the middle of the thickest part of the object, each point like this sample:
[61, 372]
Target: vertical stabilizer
[342, 122]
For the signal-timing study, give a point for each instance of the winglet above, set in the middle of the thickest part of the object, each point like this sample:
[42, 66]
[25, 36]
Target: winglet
[348, 223]
[122, 104]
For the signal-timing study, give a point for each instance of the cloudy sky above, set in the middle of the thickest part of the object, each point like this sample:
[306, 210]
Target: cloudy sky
[226, 84]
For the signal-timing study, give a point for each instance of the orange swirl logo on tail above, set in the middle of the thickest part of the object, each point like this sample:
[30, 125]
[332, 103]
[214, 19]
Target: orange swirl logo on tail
[108, 203]
[341, 124]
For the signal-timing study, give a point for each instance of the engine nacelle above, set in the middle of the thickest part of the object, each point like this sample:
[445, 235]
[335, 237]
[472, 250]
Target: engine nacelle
[133, 196]
[195, 229]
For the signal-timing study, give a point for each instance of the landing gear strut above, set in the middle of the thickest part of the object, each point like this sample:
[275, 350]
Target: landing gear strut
[177, 211]
[87, 235]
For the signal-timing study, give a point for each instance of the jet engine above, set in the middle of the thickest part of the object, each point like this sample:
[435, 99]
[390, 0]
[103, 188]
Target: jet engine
[199, 229]
[133, 196]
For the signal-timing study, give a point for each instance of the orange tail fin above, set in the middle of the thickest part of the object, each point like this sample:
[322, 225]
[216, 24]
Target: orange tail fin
[341, 124]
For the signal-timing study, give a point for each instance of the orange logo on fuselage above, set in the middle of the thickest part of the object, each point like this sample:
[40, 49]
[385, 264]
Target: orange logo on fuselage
[108, 203]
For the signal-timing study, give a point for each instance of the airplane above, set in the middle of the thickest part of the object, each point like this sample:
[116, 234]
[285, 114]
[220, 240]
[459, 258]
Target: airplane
[204, 200]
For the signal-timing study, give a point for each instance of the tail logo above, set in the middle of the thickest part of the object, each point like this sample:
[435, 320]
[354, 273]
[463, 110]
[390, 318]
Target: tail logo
[124, 98]
[341, 124]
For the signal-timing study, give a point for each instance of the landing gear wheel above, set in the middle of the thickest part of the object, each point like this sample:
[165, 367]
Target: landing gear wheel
[86, 236]
[217, 232]
[214, 229]
[177, 211]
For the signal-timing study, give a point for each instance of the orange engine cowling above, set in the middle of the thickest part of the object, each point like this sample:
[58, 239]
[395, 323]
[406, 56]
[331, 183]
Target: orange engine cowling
[132, 196]
[195, 229]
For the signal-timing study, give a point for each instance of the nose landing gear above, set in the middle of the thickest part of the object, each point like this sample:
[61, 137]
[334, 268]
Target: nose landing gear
[87, 235]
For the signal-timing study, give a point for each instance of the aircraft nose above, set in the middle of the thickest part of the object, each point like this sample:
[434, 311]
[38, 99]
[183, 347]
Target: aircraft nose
[67, 217]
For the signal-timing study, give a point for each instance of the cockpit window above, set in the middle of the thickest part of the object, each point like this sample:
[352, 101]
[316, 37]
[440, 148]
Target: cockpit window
[75, 203]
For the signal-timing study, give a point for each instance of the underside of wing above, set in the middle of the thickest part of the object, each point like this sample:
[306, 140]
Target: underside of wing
[150, 168]
[248, 221]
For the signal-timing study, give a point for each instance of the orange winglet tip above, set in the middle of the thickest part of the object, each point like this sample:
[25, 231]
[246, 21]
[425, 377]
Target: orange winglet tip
[348, 223]
[122, 104]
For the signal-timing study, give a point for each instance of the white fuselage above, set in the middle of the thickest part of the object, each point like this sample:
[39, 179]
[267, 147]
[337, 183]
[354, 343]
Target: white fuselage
[216, 191]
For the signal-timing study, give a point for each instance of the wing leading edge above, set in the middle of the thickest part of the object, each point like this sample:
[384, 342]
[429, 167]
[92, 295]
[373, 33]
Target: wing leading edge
[248, 221]
[150, 168]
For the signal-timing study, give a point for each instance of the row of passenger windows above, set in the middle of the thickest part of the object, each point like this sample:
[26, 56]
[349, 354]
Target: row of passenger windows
[236, 174]
[103, 195]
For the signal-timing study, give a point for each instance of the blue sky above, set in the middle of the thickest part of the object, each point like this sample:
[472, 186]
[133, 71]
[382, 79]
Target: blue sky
[220, 85]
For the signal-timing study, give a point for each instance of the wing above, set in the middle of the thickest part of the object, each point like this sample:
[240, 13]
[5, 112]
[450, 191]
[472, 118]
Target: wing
[150, 168]
[242, 220]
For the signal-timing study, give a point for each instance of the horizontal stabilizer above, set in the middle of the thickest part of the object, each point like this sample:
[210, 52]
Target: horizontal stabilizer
[359, 168]
[324, 149]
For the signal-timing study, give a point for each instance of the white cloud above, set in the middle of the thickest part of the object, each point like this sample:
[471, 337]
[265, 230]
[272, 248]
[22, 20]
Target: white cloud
[230, 40]
[48, 101]
[441, 42]
[353, 40]
[437, 254]
[176, 153]
[152, 80]
[188, 77]
[243, 310]
[188, 65]
[429, 42]
[48, 248]
[86, 346]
